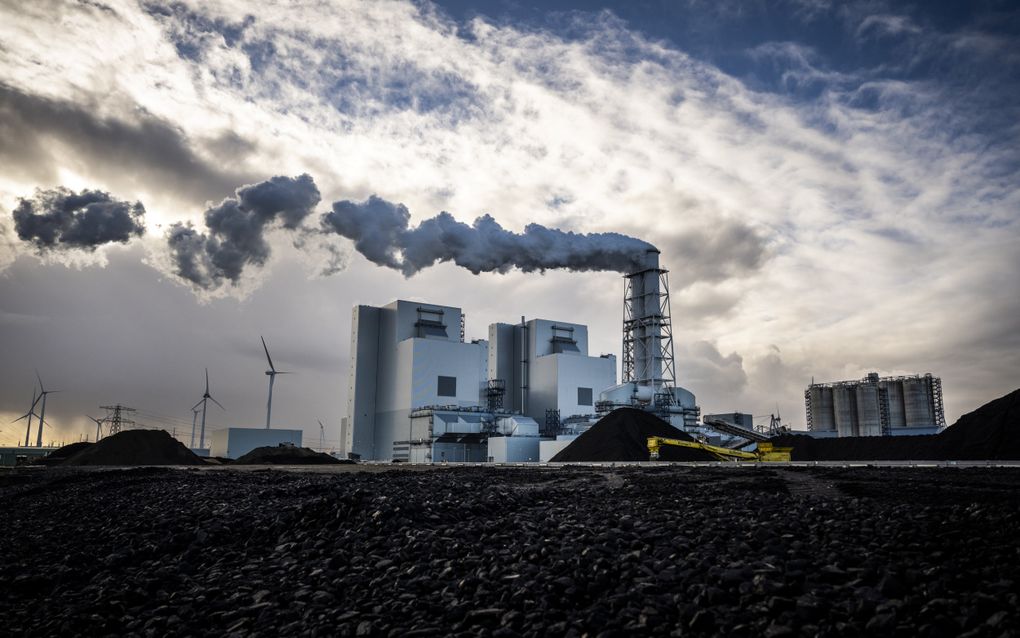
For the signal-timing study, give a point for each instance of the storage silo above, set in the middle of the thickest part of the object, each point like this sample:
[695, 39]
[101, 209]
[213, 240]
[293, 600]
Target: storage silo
[876, 406]
[917, 403]
[869, 413]
[894, 390]
[822, 418]
[844, 405]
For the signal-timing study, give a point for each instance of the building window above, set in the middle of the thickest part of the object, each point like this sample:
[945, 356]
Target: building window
[584, 396]
[448, 387]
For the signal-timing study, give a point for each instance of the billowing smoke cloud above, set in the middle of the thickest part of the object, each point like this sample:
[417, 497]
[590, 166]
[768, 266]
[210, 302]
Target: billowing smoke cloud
[381, 232]
[60, 218]
[236, 228]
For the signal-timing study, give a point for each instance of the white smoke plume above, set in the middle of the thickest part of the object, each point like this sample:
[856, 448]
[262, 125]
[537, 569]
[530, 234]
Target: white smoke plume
[381, 232]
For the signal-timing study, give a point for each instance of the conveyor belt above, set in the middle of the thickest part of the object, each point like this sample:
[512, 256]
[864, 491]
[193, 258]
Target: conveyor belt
[735, 430]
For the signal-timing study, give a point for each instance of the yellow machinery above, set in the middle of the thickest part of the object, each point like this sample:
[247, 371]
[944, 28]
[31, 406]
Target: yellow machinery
[765, 452]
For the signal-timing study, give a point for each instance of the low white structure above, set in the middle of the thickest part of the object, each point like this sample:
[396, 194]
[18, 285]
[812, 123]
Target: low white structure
[232, 443]
[513, 449]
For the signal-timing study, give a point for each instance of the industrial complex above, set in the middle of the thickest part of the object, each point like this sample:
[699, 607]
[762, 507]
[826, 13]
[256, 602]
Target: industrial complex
[876, 406]
[419, 392]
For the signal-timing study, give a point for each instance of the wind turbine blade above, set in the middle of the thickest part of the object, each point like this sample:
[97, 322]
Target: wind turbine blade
[320, 423]
[42, 388]
[282, 372]
[268, 358]
[23, 416]
[217, 403]
[194, 408]
[207, 380]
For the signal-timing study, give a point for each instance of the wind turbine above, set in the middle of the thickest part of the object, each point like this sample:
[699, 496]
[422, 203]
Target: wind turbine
[42, 413]
[322, 435]
[28, 415]
[271, 373]
[194, 416]
[205, 399]
[99, 426]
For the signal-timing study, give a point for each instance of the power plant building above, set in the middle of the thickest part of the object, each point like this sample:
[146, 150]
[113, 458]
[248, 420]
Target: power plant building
[876, 406]
[545, 368]
[419, 392]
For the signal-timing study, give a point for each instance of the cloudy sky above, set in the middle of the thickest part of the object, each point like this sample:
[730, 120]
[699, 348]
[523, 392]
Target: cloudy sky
[834, 186]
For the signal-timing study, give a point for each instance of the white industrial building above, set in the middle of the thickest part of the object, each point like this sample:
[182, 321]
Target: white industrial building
[419, 392]
[546, 370]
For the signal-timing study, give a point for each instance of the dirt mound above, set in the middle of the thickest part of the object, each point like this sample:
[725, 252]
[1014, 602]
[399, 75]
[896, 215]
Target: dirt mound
[136, 447]
[622, 435]
[992, 432]
[286, 455]
[60, 455]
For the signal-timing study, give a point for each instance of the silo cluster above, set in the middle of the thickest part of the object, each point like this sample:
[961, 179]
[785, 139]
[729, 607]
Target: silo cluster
[876, 406]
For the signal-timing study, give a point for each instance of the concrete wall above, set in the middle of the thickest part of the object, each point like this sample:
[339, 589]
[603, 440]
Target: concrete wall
[233, 443]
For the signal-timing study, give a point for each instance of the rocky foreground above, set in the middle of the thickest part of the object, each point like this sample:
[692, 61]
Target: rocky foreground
[505, 552]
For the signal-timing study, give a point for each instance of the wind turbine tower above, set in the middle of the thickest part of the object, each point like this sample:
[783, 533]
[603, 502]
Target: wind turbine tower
[194, 417]
[205, 399]
[271, 373]
[28, 415]
[42, 412]
[99, 426]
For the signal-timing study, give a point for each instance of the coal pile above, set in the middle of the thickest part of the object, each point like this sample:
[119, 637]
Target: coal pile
[136, 447]
[622, 436]
[692, 551]
[286, 455]
[58, 456]
[992, 432]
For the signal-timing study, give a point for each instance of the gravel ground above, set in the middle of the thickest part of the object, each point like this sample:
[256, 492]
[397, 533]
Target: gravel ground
[504, 552]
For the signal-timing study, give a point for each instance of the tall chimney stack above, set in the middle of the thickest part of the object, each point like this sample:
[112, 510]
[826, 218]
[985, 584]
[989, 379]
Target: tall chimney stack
[643, 325]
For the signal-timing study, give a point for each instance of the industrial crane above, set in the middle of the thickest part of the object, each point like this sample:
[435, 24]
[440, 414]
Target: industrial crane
[764, 452]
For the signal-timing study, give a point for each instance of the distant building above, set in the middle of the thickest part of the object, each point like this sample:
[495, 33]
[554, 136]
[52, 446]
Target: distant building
[876, 406]
[233, 443]
[745, 421]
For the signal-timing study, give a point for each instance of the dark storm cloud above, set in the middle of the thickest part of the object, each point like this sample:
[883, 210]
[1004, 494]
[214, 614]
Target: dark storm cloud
[381, 232]
[236, 228]
[61, 218]
[146, 148]
[729, 249]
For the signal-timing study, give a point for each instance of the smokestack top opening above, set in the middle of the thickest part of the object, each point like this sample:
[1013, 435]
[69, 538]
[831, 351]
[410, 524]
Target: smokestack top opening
[649, 260]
